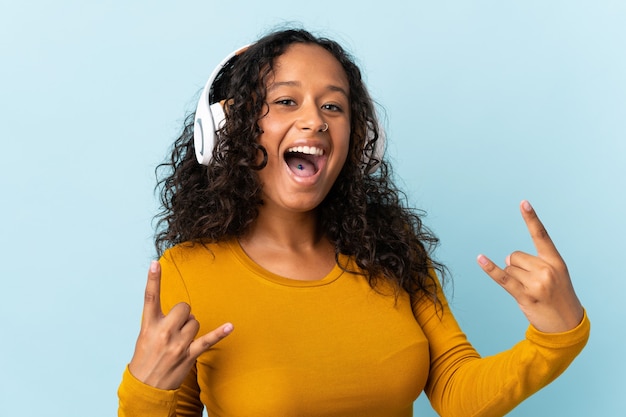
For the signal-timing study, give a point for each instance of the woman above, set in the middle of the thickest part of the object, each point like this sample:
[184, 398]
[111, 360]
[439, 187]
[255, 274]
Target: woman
[294, 239]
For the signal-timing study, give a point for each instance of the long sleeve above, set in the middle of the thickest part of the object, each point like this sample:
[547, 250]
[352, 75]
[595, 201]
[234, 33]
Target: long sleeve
[137, 399]
[337, 348]
[463, 384]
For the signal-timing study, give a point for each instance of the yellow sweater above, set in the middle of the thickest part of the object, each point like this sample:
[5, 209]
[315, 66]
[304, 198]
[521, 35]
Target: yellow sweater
[333, 347]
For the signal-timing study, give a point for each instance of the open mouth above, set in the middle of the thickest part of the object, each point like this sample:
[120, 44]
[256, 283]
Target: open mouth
[304, 161]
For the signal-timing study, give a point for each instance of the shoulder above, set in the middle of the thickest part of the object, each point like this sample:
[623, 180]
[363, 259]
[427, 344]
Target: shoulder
[187, 269]
[188, 257]
[193, 252]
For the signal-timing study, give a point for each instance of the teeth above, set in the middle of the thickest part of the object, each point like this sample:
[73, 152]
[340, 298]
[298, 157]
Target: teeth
[309, 150]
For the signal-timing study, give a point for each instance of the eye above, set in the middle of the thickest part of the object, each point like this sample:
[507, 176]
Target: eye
[285, 102]
[332, 107]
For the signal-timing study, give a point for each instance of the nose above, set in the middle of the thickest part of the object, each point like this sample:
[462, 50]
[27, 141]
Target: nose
[310, 118]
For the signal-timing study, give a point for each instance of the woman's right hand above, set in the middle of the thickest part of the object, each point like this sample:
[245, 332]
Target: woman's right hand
[166, 350]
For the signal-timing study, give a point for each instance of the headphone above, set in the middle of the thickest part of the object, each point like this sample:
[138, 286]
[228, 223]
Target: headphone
[210, 118]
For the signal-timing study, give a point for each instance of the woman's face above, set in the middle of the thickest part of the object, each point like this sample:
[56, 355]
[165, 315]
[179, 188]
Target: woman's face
[306, 131]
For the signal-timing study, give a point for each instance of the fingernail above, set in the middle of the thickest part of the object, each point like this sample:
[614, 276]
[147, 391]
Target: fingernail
[526, 205]
[508, 260]
[482, 259]
[227, 328]
[154, 266]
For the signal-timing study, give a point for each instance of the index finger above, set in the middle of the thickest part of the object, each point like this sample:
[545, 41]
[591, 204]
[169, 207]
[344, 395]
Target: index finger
[541, 239]
[152, 297]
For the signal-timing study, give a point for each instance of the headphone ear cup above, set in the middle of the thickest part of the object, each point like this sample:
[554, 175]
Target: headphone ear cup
[207, 123]
[204, 130]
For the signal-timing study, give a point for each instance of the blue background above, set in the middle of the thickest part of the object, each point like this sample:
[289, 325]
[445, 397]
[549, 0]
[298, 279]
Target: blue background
[487, 103]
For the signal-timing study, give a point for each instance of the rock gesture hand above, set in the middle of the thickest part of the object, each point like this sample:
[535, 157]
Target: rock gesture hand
[540, 284]
[166, 350]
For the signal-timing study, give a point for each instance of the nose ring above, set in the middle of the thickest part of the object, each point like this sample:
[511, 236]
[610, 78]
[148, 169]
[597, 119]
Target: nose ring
[325, 128]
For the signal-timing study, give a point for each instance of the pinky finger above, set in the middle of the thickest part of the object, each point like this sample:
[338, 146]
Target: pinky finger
[511, 285]
[487, 265]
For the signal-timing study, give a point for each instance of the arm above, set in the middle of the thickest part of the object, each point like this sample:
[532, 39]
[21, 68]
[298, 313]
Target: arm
[463, 384]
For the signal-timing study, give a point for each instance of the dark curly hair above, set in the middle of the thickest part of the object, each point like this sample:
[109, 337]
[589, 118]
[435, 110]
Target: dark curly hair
[364, 215]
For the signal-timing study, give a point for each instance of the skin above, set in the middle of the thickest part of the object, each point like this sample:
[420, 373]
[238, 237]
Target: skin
[309, 89]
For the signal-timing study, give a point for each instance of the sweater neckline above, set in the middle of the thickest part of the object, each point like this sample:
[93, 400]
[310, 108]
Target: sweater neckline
[269, 276]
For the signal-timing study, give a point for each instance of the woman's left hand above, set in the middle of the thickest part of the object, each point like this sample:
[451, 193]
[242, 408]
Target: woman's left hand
[540, 284]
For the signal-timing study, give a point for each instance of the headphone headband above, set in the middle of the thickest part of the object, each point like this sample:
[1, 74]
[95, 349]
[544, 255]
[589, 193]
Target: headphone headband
[210, 115]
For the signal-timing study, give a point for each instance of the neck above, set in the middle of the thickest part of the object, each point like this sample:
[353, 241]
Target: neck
[289, 244]
[287, 230]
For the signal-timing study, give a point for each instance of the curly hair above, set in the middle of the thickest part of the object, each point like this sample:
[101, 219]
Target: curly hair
[373, 225]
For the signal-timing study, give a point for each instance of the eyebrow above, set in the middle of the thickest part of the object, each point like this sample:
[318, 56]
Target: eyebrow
[329, 87]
